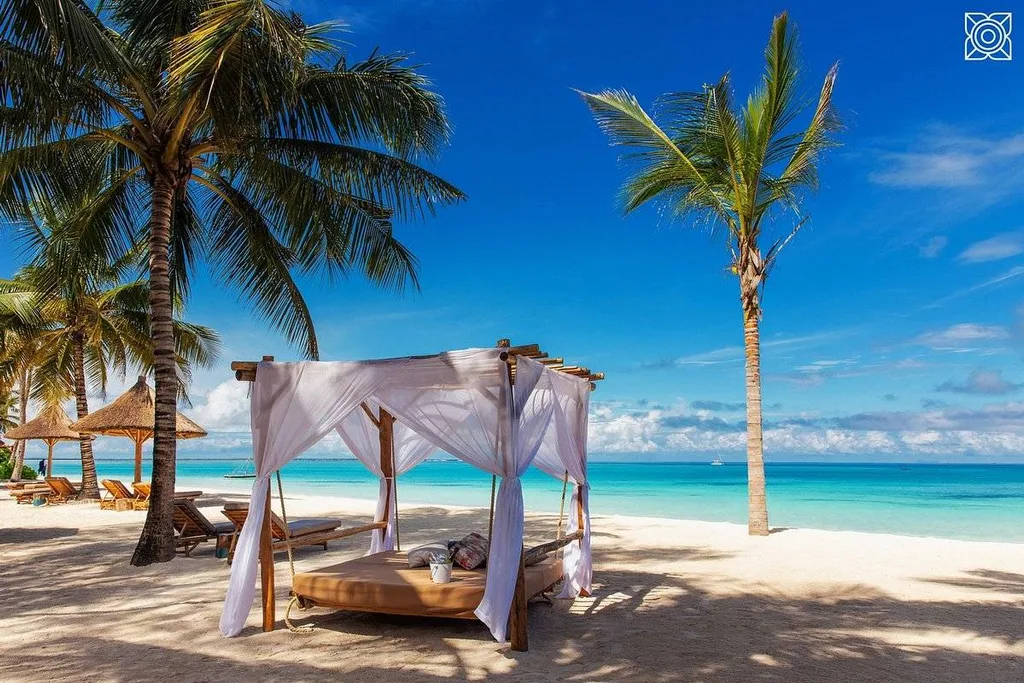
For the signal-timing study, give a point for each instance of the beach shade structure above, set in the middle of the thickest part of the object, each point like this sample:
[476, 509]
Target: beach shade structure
[133, 415]
[51, 425]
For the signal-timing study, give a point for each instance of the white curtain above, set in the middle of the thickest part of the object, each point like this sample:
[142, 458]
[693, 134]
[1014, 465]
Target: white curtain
[565, 449]
[293, 405]
[461, 402]
[362, 437]
[529, 420]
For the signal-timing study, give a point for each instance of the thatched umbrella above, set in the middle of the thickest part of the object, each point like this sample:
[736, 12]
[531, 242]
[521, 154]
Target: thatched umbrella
[133, 415]
[51, 425]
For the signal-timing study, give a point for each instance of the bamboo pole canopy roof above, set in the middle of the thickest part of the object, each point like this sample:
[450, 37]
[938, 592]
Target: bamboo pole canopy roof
[51, 424]
[133, 415]
[245, 370]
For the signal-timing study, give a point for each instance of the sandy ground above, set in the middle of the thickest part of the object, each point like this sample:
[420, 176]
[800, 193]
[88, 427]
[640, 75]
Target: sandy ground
[674, 601]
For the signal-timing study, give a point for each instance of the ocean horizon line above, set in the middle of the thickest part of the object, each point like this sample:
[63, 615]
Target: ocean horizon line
[703, 461]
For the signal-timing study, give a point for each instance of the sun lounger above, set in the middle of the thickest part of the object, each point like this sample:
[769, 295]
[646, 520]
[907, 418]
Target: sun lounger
[118, 497]
[61, 490]
[143, 492]
[299, 532]
[192, 527]
[26, 492]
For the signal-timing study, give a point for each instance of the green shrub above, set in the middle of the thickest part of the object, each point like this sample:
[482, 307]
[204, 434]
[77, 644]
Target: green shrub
[7, 466]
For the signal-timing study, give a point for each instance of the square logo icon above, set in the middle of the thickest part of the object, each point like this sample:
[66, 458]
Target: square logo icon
[988, 36]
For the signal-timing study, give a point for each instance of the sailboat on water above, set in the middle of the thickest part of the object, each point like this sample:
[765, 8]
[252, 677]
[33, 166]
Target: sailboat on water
[717, 460]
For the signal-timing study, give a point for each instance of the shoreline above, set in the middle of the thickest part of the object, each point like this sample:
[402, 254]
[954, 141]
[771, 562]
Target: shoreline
[310, 502]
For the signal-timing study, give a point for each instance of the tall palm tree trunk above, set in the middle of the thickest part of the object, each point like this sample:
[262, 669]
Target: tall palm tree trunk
[90, 487]
[156, 544]
[757, 500]
[24, 383]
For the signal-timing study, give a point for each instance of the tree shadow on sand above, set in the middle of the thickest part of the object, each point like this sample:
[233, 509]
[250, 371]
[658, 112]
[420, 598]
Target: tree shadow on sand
[639, 625]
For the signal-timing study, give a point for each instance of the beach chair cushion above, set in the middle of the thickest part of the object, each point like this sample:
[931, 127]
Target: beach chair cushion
[304, 527]
[471, 551]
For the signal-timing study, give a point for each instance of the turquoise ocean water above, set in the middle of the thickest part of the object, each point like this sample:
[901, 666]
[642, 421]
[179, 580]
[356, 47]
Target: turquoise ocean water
[978, 502]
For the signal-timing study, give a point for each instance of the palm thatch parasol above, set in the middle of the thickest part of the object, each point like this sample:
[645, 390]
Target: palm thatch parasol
[51, 425]
[133, 415]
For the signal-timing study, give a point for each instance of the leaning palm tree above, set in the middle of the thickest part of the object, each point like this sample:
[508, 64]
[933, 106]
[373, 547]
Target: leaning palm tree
[736, 169]
[224, 129]
[93, 320]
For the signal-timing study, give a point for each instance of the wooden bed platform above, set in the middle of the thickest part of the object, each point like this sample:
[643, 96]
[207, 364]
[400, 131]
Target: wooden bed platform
[384, 583]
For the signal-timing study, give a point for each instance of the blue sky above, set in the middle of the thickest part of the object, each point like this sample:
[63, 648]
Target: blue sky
[892, 324]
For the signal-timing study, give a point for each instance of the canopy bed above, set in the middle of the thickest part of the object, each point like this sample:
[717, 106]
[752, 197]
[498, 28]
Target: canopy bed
[500, 409]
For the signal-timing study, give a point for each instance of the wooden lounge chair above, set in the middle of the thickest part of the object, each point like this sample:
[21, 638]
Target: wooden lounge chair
[143, 492]
[115, 492]
[299, 532]
[192, 528]
[27, 491]
[61, 490]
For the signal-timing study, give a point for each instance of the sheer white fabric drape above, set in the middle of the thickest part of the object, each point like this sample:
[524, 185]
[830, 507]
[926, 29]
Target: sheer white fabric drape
[527, 423]
[290, 411]
[565, 449]
[362, 437]
[461, 402]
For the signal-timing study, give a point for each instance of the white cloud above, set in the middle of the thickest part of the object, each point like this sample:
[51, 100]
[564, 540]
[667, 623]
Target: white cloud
[987, 382]
[962, 337]
[224, 408]
[997, 281]
[612, 432]
[994, 430]
[734, 354]
[995, 248]
[944, 158]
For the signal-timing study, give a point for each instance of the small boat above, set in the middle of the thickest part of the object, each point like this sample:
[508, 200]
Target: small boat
[247, 470]
[717, 461]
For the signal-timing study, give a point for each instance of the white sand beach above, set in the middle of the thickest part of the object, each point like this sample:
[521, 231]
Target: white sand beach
[674, 601]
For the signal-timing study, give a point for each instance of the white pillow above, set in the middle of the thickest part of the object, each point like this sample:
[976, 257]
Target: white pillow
[420, 555]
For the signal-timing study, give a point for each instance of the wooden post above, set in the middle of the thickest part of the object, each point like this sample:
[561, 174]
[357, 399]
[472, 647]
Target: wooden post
[267, 567]
[518, 634]
[386, 430]
[517, 618]
[138, 456]
[49, 457]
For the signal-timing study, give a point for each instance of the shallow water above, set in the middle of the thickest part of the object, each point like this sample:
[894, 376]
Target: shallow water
[979, 502]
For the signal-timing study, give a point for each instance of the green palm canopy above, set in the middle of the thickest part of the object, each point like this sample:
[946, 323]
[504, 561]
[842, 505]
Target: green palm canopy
[224, 131]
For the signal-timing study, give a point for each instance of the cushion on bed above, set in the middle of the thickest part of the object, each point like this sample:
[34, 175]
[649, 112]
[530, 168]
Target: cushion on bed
[383, 583]
[421, 555]
[471, 551]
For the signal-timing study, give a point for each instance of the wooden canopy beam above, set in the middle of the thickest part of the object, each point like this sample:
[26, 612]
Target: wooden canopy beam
[245, 370]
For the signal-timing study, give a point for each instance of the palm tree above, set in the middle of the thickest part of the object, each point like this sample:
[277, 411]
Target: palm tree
[736, 169]
[92, 321]
[220, 128]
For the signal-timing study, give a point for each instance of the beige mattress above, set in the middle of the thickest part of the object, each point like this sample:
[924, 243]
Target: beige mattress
[384, 583]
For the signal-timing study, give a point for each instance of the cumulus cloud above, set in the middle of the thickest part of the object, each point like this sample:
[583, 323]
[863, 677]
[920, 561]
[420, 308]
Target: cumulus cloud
[224, 408]
[992, 430]
[995, 248]
[987, 382]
